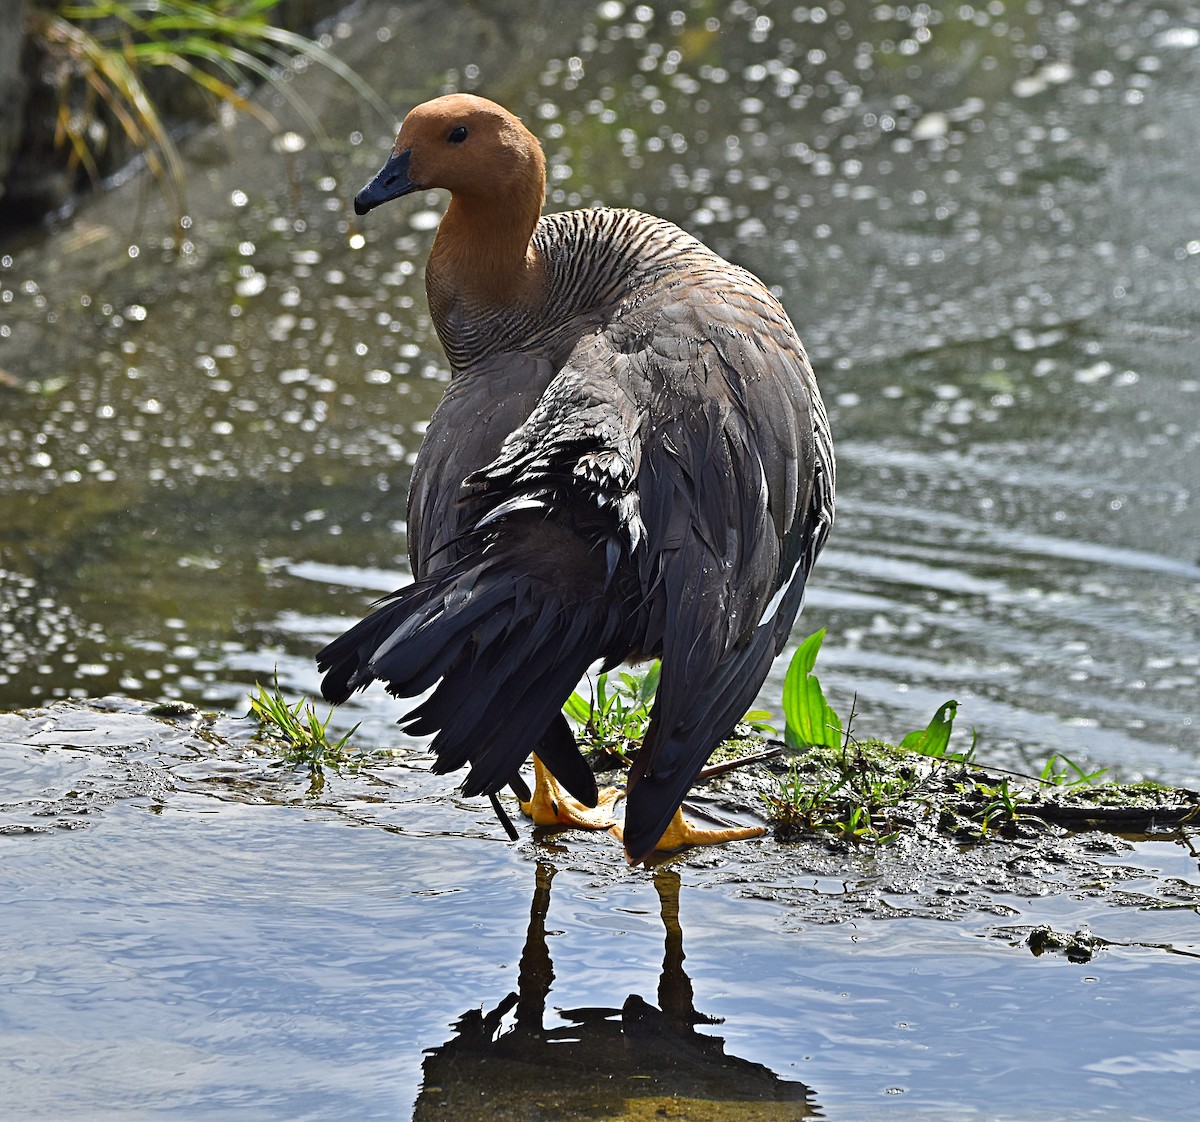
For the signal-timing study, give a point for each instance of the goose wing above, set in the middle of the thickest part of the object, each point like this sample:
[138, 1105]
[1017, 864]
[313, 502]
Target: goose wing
[736, 495]
[481, 408]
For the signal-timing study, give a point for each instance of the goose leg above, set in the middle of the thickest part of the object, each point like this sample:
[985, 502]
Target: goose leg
[551, 805]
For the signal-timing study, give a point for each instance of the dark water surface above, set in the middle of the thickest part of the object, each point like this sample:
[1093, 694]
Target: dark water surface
[984, 220]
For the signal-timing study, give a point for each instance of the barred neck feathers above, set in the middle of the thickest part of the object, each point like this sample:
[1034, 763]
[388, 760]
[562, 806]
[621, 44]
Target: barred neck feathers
[482, 259]
[499, 276]
[588, 262]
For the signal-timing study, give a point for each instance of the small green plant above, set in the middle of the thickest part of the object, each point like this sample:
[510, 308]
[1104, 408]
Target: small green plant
[615, 718]
[103, 52]
[860, 826]
[1069, 775]
[934, 739]
[801, 801]
[1000, 809]
[759, 721]
[301, 732]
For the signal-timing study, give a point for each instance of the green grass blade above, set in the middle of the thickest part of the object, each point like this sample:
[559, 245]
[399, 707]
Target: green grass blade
[602, 699]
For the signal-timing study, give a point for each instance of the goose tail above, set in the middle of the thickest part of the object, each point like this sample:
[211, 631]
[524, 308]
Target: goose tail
[501, 637]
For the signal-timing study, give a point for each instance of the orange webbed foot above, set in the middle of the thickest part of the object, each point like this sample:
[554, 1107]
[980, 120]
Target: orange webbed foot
[551, 805]
[680, 833]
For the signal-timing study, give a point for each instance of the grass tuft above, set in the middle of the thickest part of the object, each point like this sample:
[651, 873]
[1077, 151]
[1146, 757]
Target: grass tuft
[102, 53]
[302, 734]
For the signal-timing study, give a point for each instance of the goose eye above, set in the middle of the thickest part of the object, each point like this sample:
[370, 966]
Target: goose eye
[458, 135]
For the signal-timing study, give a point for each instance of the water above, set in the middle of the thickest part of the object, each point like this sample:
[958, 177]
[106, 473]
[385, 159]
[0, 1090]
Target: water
[188, 934]
[983, 220]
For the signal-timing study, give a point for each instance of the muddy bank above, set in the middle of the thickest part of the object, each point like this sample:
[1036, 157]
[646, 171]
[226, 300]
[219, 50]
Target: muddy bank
[1085, 845]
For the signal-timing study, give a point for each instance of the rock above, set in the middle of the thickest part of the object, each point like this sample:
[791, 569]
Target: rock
[12, 86]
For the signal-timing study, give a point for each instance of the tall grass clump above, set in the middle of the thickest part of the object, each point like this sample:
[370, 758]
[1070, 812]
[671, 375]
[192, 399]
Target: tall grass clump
[105, 57]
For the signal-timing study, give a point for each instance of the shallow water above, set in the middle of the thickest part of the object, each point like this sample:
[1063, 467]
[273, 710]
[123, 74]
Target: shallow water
[188, 934]
[983, 220]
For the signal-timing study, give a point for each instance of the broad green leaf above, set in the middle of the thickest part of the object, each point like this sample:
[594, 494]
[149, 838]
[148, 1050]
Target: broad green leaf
[935, 737]
[810, 719]
[578, 708]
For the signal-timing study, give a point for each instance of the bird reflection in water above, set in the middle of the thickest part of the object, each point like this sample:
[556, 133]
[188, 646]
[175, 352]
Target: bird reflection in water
[638, 1061]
